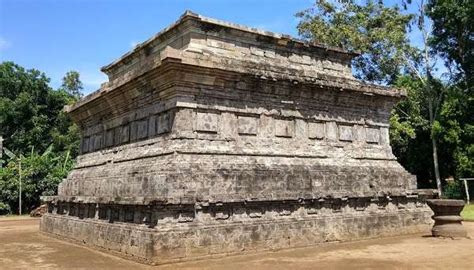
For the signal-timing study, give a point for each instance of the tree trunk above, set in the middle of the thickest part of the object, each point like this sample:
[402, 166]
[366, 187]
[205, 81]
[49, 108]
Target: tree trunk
[435, 147]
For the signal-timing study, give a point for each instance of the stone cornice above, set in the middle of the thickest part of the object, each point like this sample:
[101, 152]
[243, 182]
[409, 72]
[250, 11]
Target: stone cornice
[173, 60]
[281, 39]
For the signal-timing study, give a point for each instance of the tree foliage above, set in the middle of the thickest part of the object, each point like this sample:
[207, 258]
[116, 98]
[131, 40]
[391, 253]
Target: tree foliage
[32, 122]
[41, 174]
[72, 84]
[411, 131]
[31, 112]
[437, 116]
[377, 31]
[453, 35]
[453, 39]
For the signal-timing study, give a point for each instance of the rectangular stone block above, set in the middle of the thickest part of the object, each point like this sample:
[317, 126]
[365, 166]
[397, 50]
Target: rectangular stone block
[228, 128]
[163, 123]
[207, 122]
[384, 136]
[301, 129]
[124, 133]
[331, 131]
[284, 128]
[247, 125]
[316, 130]
[142, 128]
[267, 126]
[133, 131]
[152, 126]
[359, 134]
[184, 123]
[85, 144]
[372, 135]
[346, 133]
[97, 141]
[109, 138]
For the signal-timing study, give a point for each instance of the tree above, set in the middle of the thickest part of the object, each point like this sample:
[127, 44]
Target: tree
[39, 174]
[377, 31]
[32, 121]
[381, 34]
[31, 112]
[411, 131]
[453, 39]
[455, 130]
[72, 84]
[423, 67]
[453, 35]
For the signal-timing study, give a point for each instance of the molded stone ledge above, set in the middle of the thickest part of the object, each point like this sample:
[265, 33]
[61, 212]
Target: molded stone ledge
[181, 241]
[152, 125]
[231, 198]
[155, 213]
[419, 193]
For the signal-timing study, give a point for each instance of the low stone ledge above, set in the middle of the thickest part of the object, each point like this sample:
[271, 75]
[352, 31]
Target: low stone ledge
[158, 213]
[187, 241]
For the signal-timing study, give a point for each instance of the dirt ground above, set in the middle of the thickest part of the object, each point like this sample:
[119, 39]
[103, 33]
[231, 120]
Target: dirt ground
[23, 247]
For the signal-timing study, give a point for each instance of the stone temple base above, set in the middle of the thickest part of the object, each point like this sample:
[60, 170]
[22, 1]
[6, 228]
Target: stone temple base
[212, 139]
[165, 235]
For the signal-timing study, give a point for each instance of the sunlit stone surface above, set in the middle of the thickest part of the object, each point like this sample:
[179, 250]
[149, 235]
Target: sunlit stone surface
[212, 138]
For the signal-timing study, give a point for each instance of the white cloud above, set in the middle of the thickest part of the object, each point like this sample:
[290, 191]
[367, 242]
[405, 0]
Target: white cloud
[4, 44]
[134, 43]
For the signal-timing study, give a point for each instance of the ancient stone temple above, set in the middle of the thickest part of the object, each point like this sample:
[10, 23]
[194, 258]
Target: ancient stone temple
[212, 138]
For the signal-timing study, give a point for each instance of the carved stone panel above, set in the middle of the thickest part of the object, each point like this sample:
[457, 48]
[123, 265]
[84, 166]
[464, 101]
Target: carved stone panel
[316, 131]
[372, 135]
[109, 138]
[123, 134]
[163, 123]
[345, 133]
[207, 122]
[247, 125]
[97, 141]
[359, 133]
[384, 136]
[152, 126]
[331, 131]
[133, 131]
[85, 144]
[142, 129]
[284, 128]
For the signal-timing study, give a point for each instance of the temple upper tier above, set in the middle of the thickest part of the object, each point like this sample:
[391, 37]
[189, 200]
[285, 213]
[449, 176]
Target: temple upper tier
[207, 42]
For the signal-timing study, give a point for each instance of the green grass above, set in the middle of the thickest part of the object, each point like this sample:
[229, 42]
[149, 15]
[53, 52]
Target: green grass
[468, 212]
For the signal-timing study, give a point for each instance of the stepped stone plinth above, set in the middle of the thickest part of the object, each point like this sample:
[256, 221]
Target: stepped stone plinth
[447, 217]
[212, 138]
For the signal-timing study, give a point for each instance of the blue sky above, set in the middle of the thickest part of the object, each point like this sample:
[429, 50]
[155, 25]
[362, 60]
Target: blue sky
[56, 36]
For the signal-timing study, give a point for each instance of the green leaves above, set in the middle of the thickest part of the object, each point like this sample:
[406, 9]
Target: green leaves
[31, 112]
[436, 112]
[453, 35]
[72, 84]
[35, 128]
[379, 32]
[41, 173]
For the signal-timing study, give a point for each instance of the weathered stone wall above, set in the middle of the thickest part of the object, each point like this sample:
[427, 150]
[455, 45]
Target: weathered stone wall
[262, 141]
[160, 234]
[302, 140]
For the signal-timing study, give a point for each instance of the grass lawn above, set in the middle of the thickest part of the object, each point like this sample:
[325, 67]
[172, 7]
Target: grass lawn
[468, 212]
